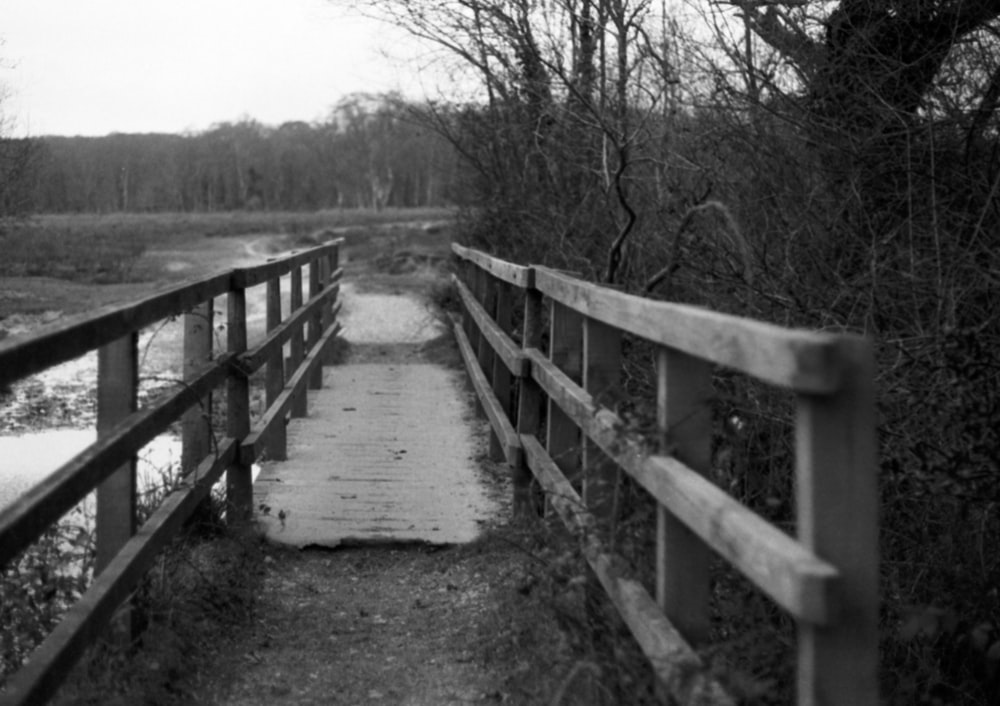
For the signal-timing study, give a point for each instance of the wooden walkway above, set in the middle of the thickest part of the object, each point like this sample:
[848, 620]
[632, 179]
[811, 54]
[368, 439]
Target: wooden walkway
[385, 455]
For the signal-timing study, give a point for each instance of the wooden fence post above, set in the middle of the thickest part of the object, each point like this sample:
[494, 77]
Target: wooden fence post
[529, 401]
[300, 406]
[500, 375]
[684, 391]
[196, 424]
[602, 361]
[471, 330]
[277, 440]
[324, 280]
[239, 480]
[566, 352]
[488, 295]
[837, 489]
[117, 393]
[117, 398]
[315, 324]
[332, 263]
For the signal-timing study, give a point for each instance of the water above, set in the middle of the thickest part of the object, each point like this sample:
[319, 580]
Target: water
[27, 459]
[50, 417]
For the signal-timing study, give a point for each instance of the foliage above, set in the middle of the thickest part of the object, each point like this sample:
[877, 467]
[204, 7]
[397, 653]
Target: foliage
[18, 166]
[37, 587]
[830, 165]
[202, 587]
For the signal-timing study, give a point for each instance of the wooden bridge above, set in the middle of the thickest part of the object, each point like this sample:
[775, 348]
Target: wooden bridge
[545, 408]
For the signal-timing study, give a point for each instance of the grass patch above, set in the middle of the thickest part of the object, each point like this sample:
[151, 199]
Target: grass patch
[103, 256]
[107, 248]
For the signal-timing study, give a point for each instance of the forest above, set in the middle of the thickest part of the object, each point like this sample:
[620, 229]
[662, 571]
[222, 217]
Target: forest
[370, 153]
[832, 165]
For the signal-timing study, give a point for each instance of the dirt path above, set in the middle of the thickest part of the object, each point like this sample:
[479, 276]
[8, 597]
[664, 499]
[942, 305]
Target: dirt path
[372, 626]
[391, 624]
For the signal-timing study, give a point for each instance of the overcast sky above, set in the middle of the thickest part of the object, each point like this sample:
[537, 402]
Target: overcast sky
[91, 67]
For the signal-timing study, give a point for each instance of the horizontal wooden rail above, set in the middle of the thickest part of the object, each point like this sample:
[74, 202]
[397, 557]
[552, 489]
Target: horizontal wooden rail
[792, 576]
[804, 361]
[826, 577]
[116, 328]
[676, 664]
[508, 351]
[61, 341]
[510, 441]
[246, 277]
[253, 359]
[21, 523]
[254, 444]
[517, 275]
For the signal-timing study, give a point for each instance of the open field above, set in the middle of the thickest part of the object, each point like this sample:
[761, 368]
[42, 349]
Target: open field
[52, 263]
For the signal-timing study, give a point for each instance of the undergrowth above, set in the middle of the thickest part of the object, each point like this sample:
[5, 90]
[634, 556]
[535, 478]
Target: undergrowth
[789, 241]
[201, 588]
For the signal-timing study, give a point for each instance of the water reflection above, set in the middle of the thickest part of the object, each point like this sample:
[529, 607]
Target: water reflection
[27, 459]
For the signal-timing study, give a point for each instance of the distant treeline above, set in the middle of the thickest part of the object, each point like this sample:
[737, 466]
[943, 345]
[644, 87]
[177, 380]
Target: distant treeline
[369, 153]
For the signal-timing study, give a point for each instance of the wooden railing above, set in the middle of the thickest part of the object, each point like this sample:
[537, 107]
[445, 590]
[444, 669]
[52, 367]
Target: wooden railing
[826, 578]
[124, 552]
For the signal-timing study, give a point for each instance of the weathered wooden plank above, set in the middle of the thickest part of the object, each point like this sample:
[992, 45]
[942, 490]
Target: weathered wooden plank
[500, 377]
[517, 275]
[332, 306]
[315, 322]
[602, 362]
[324, 282]
[277, 448]
[466, 275]
[239, 480]
[566, 353]
[684, 420]
[21, 356]
[253, 359]
[39, 679]
[23, 522]
[59, 342]
[196, 434]
[806, 361]
[296, 353]
[506, 349]
[196, 422]
[502, 427]
[560, 491]
[837, 487]
[529, 404]
[246, 277]
[253, 445]
[794, 577]
[486, 293]
[117, 398]
[675, 664]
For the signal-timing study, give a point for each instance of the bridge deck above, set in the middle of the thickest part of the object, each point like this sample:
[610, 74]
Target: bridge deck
[387, 452]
